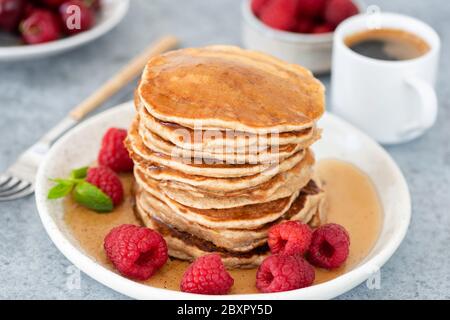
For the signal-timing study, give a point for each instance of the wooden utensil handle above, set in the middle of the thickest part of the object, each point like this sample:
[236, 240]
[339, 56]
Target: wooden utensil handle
[123, 77]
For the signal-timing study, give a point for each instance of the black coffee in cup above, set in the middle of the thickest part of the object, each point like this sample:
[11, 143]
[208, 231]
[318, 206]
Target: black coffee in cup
[387, 44]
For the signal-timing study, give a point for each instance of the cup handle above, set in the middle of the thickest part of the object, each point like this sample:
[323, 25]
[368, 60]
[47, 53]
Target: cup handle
[428, 107]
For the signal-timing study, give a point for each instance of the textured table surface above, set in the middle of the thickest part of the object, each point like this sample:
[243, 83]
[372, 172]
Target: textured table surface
[35, 95]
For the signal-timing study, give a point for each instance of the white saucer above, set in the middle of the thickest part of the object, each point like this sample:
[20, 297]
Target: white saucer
[340, 141]
[112, 13]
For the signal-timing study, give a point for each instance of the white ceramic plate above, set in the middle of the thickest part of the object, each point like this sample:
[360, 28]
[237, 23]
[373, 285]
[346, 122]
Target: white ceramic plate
[112, 13]
[340, 140]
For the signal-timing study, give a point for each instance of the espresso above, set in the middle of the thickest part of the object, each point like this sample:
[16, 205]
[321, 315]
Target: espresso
[387, 44]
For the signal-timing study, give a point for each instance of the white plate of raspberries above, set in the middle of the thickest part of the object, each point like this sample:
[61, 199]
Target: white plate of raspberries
[340, 140]
[33, 29]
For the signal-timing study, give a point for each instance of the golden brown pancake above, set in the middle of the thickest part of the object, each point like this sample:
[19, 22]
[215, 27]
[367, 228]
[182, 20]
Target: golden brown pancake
[250, 154]
[213, 185]
[307, 205]
[210, 140]
[282, 185]
[186, 246]
[201, 167]
[225, 87]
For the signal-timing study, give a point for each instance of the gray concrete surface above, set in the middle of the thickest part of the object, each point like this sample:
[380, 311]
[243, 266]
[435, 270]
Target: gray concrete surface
[35, 95]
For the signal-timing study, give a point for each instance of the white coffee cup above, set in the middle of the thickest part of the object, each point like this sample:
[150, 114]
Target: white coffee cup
[393, 101]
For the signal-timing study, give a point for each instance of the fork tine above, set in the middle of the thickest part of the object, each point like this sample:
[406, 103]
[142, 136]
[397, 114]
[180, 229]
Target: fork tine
[25, 192]
[16, 196]
[21, 187]
[14, 182]
[5, 180]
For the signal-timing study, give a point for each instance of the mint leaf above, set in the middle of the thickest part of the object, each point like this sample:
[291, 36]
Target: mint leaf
[79, 173]
[92, 197]
[61, 190]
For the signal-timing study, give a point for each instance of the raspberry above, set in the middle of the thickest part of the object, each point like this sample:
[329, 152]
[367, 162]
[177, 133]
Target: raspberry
[207, 275]
[283, 273]
[136, 252]
[280, 14]
[289, 238]
[40, 26]
[329, 246]
[258, 5]
[113, 153]
[304, 25]
[107, 181]
[323, 28]
[311, 8]
[337, 11]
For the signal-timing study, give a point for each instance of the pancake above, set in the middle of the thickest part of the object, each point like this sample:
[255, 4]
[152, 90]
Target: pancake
[184, 246]
[280, 186]
[211, 184]
[225, 87]
[243, 217]
[210, 140]
[200, 167]
[290, 180]
[308, 204]
[285, 186]
[273, 154]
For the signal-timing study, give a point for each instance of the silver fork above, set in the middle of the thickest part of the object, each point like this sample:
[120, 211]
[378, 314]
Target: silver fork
[18, 180]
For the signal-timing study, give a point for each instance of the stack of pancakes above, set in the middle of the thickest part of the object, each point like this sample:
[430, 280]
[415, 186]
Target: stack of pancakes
[220, 144]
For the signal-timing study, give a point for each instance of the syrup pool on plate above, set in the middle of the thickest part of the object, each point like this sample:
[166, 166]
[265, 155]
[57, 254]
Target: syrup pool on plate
[352, 201]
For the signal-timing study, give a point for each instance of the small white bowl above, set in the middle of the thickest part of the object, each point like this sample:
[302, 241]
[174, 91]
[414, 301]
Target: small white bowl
[112, 13]
[312, 51]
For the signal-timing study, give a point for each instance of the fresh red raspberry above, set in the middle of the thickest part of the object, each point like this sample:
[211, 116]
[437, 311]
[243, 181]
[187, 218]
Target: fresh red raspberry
[323, 28]
[258, 5]
[280, 14]
[40, 26]
[207, 275]
[337, 11]
[290, 238]
[311, 8]
[329, 246]
[136, 252]
[113, 153]
[283, 273]
[86, 20]
[106, 180]
[304, 25]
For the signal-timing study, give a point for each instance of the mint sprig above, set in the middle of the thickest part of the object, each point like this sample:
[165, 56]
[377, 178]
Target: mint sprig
[83, 192]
